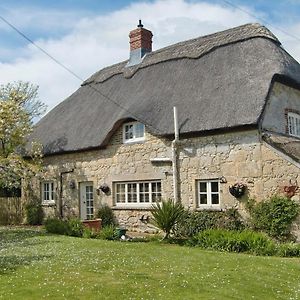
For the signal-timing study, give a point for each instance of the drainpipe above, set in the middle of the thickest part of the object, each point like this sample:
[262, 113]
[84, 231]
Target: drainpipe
[61, 192]
[174, 155]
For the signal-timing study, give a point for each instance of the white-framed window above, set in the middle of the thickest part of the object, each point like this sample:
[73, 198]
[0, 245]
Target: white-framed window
[143, 193]
[294, 124]
[48, 192]
[133, 132]
[208, 193]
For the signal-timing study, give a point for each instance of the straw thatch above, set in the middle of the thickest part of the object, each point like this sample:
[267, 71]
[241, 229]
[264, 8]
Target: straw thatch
[220, 81]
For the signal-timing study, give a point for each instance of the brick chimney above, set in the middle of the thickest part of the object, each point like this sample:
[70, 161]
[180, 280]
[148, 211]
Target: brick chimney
[140, 44]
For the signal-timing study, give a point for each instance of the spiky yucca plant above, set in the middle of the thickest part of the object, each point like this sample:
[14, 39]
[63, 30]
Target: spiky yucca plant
[166, 215]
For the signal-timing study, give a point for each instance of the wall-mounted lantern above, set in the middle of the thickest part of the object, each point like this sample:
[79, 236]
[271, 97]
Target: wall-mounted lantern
[72, 184]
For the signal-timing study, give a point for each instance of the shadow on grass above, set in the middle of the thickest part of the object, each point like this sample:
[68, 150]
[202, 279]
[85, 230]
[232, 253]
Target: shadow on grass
[11, 237]
[16, 237]
[11, 263]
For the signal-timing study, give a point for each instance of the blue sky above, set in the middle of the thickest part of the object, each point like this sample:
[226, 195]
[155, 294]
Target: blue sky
[91, 34]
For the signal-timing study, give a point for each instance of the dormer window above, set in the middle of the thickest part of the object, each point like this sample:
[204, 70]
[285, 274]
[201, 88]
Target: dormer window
[133, 132]
[294, 124]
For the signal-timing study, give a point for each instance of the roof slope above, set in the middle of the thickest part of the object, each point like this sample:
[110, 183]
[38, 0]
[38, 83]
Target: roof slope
[217, 81]
[289, 145]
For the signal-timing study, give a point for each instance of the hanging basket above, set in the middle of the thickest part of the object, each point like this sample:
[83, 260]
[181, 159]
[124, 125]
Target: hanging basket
[237, 190]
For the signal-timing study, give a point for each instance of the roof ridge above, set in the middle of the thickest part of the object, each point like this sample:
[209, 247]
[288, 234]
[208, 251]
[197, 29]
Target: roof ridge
[192, 48]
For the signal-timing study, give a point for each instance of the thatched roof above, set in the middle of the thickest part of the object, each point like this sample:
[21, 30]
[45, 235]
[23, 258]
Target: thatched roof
[219, 81]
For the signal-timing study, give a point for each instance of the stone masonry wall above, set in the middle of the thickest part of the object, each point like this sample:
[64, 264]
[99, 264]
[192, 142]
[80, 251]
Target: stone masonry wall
[237, 157]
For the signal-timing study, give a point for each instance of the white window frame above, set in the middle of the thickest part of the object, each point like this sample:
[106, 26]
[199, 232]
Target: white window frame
[134, 138]
[293, 124]
[209, 194]
[151, 193]
[50, 191]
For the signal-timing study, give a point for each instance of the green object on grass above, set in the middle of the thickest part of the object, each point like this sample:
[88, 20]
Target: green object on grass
[121, 231]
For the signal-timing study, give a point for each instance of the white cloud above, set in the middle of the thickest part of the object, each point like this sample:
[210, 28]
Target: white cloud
[291, 44]
[96, 42]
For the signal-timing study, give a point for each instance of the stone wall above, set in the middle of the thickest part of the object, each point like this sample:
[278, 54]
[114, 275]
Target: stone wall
[234, 157]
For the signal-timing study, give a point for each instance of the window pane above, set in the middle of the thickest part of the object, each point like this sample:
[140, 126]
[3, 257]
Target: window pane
[139, 130]
[214, 186]
[147, 198]
[132, 198]
[215, 198]
[128, 132]
[294, 124]
[298, 126]
[132, 195]
[203, 199]
[120, 198]
[142, 198]
[203, 187]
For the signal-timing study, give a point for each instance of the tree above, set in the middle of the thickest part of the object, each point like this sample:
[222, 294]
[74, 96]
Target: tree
[19, 104]
[26, 95]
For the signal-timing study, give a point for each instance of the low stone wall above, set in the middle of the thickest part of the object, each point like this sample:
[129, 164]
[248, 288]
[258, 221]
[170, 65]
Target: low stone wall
[138, 220]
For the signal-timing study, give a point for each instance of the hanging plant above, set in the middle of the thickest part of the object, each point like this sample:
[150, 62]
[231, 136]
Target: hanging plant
[238, 189]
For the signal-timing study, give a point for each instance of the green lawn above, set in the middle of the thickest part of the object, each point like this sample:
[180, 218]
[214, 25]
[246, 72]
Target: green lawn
[34, 265]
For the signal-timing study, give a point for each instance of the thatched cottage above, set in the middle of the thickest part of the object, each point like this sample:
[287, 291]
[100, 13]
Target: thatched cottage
[237, 94]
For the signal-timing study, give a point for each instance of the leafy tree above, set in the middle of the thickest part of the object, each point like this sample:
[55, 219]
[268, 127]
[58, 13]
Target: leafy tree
[19, 104]
[26, 95]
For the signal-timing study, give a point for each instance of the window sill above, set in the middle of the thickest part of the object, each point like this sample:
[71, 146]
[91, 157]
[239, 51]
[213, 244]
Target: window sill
[136, 207]
[48, 203]
[133, 142]
[209, 208]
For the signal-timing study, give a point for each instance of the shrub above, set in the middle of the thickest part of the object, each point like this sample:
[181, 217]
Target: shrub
[166, 215]
[89, 234]
[288, 249]
[273, 216]
[106, 214]
[75, 227]
[56, 226]
[235, 241]
[34, 214]
[194, 222]
[108, 233]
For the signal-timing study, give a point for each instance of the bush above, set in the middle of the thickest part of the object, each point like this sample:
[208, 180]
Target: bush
[108, 233]
[34, 214]
[243, 241]
[106, 214]
[194, 222]
[235, 241]
[166, 215]
[288, 250]
[89, 234]
[273, 216]
[56, 226]
[75, 227]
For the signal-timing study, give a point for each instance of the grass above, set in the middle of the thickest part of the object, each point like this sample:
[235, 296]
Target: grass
[34, 265]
